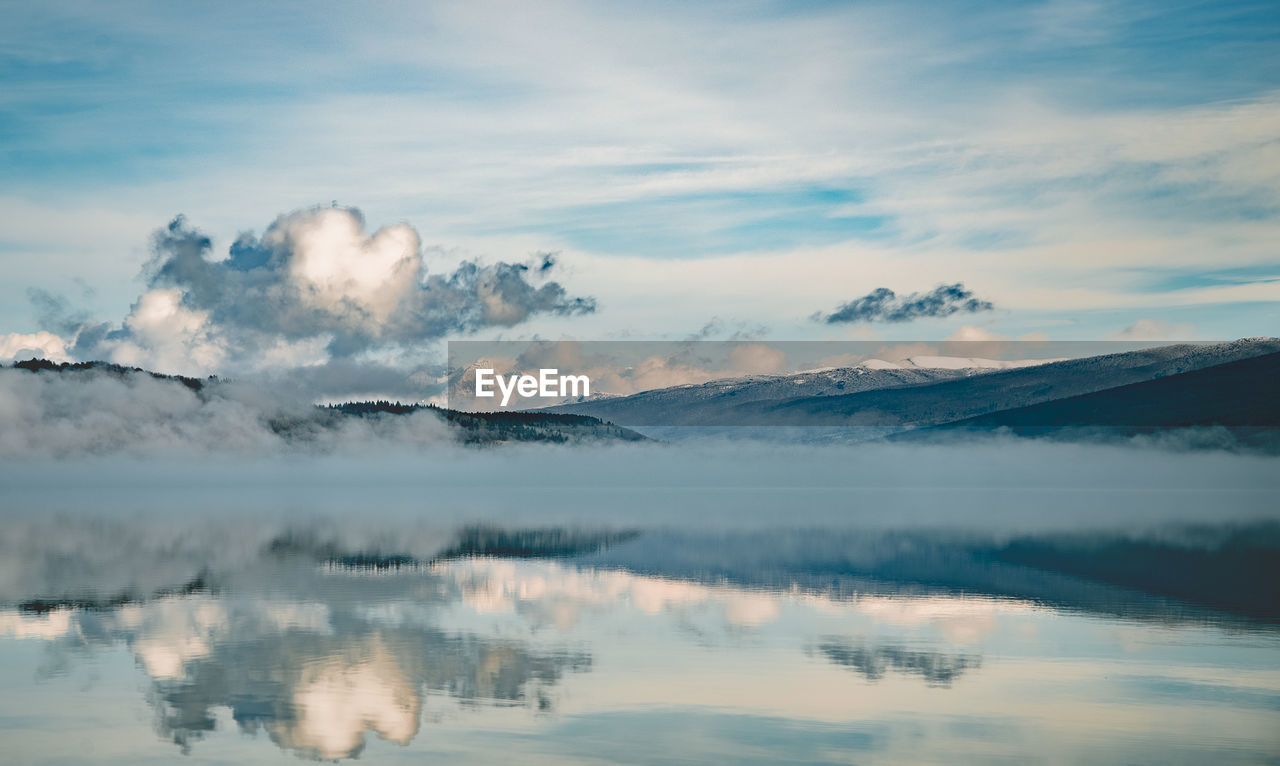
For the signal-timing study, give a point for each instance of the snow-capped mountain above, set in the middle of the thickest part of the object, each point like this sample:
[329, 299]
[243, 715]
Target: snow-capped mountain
[952, 363]
[699, 403]
[895, 395]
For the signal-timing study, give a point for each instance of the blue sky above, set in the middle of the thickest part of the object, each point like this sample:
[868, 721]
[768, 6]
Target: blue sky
[1091, 169]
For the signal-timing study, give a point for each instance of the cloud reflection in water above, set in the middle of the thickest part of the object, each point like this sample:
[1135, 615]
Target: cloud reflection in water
[326, 648]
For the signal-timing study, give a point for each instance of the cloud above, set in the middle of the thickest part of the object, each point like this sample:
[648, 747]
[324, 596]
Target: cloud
[43, 345]
[908, 155]
[969, 333]
[741, 330]
[1154, 329]
[102, 411]
[54, 312]
[164, 333]
[348, 379]
[883, 305]
[315, 286]
[756, 358]
[317, 271]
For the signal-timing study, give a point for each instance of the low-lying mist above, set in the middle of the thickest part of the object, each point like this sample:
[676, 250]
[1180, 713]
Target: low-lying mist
[106, 412]
[108, 521]
[125, 486]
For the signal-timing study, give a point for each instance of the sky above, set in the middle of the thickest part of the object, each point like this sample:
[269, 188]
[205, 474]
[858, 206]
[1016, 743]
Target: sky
[227, 188]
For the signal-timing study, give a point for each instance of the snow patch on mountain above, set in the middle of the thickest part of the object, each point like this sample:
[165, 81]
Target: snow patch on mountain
[953, 363]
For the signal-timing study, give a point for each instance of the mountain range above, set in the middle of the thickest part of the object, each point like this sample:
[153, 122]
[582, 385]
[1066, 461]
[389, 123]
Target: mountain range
[1229, 384]
[1216, 386]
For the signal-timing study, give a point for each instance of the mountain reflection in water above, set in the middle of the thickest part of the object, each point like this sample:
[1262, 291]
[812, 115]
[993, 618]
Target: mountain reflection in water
[634, 646]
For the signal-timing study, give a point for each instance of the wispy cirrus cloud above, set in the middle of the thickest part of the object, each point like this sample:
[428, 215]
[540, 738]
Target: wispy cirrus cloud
[979, 137]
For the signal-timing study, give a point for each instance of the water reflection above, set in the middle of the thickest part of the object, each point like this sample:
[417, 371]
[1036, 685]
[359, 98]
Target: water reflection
[720, 645]
[314, 675]
[936, 668]
[318, 694]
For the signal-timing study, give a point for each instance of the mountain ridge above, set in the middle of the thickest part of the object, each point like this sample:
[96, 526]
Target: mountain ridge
[911, 398]
[1243, 396]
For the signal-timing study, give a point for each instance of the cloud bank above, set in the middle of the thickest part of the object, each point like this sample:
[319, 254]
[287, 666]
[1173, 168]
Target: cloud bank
[314, 287]
[109, 412]
[883, 305]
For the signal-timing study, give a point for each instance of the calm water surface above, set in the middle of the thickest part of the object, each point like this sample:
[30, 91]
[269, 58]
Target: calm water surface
[554, 636]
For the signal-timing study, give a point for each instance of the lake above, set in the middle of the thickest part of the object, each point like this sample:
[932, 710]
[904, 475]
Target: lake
[1006, 602]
